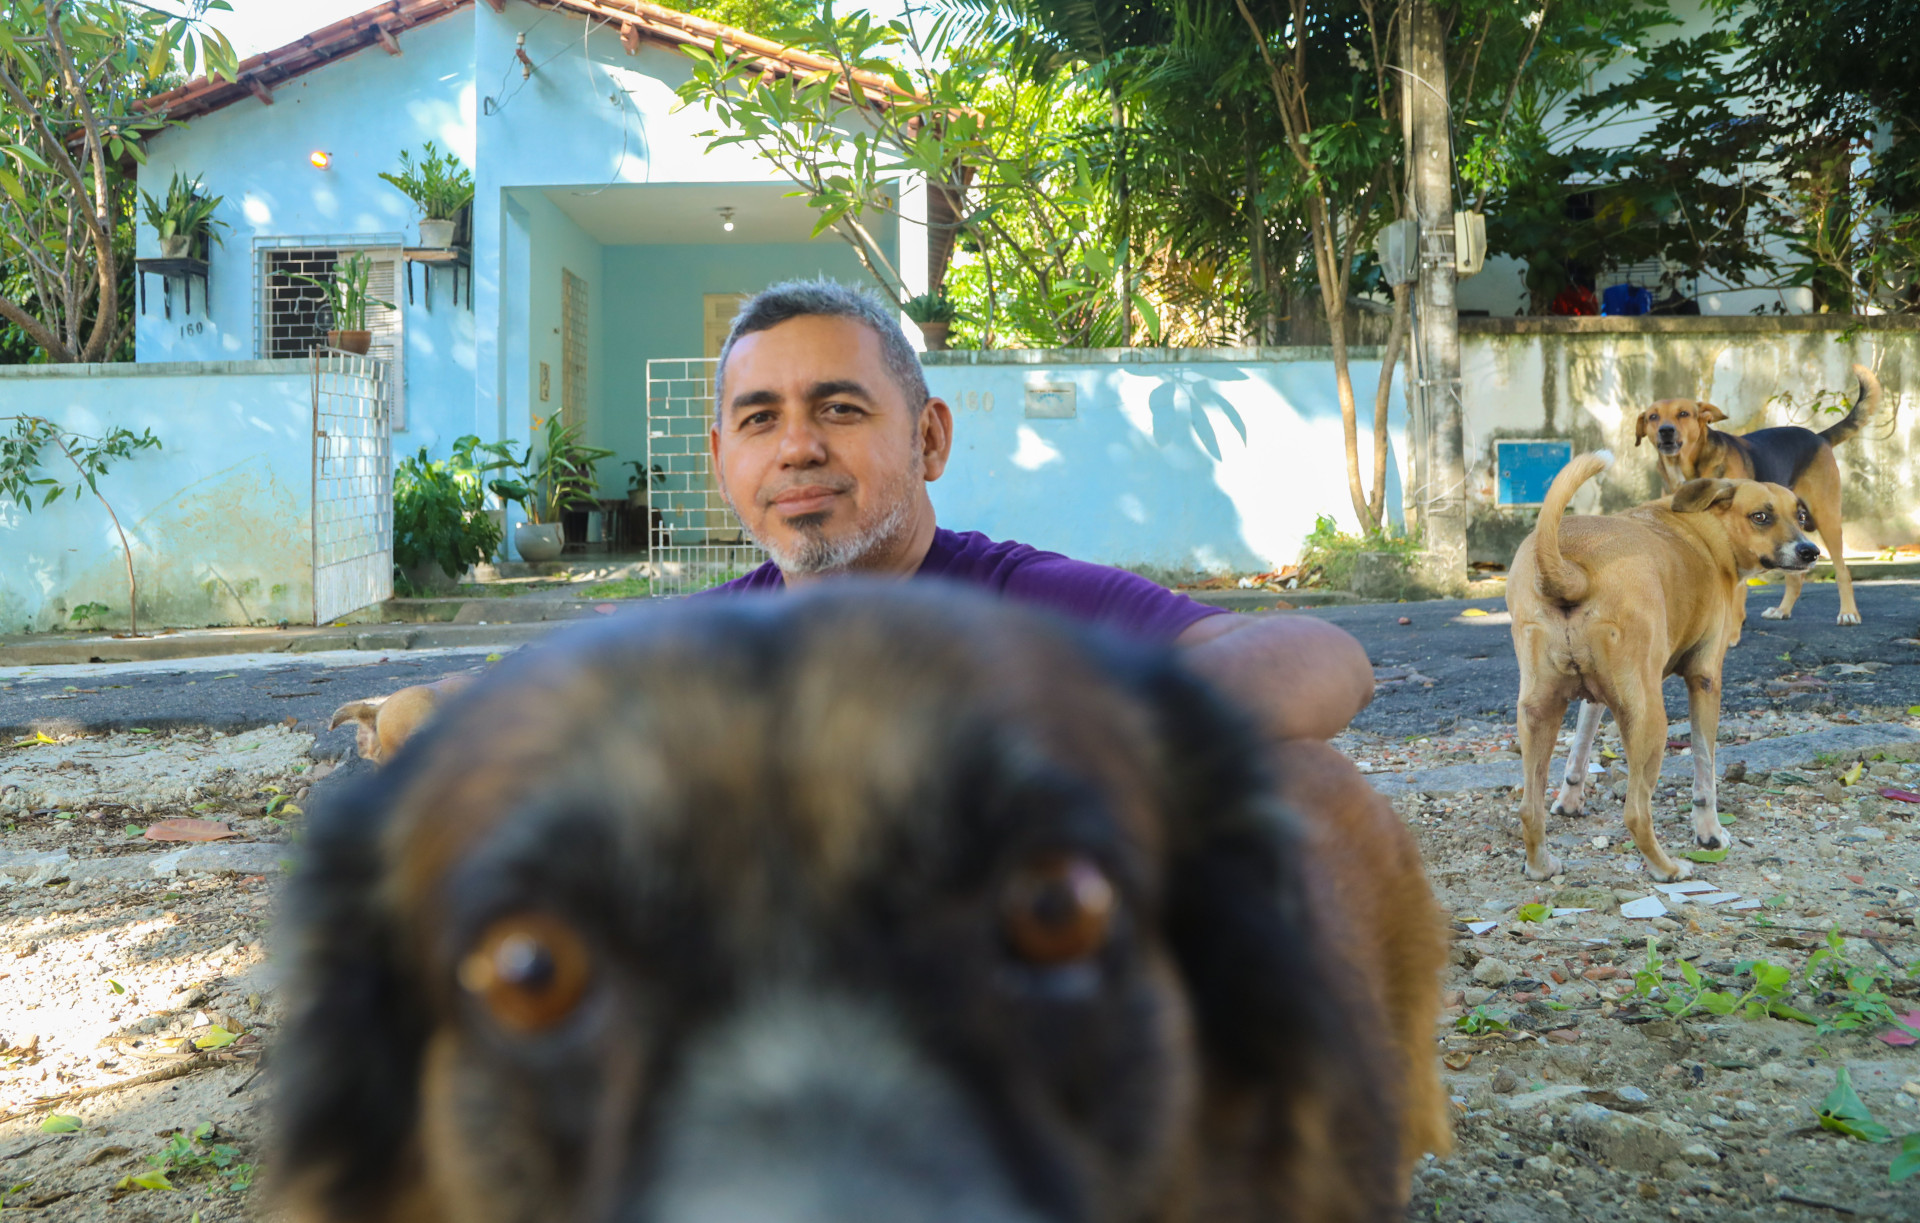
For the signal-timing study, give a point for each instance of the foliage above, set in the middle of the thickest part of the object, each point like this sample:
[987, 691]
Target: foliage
[930, 308]
[1859, 991]
[73, 76]
[767, 18]
[199, 1156]
[1480, 1022]
[439, 512]
[549, 478]
[186, 212]
[346, 290]
[89, 611]
[1328, 554]
[438, 183]
[23, 451]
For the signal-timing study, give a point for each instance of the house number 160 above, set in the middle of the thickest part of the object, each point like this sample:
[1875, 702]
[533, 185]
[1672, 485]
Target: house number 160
[187, 329]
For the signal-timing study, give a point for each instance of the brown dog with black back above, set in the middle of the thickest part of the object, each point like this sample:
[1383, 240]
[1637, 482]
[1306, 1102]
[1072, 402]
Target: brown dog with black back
[1606, 607]
[865, 903]
[1800, 459]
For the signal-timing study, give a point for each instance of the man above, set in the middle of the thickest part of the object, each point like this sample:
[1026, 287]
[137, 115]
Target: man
[824, 440]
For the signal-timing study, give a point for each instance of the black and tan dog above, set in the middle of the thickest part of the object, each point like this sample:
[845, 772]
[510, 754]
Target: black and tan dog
[863, 904]
[1605, 608]
[1800, 459]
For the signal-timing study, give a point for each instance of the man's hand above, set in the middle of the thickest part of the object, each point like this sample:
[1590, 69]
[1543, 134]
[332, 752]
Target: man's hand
[1303, 678]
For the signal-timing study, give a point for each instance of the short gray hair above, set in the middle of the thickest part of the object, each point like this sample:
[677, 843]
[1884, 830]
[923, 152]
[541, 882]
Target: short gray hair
[791, 299]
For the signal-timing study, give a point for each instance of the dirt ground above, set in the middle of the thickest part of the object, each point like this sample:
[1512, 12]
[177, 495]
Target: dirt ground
[137, 994]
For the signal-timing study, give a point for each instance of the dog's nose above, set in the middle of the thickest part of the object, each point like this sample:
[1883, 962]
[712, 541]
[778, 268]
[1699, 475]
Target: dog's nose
[1807, 553]
[1666, 430]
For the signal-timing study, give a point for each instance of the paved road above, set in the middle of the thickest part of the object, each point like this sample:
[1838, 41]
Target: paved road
[1469, 660]
[1788, 664]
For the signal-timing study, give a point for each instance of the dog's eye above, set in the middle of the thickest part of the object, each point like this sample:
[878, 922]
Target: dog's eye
[1762, 519]
[1057, 909]
[528, 970]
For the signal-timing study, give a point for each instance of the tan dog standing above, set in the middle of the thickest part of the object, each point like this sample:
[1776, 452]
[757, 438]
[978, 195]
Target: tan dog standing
[1605, 608]
[1799, 458]
[383, 723]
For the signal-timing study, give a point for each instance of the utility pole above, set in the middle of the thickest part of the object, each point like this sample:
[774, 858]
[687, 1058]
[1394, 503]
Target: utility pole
[1439, 492]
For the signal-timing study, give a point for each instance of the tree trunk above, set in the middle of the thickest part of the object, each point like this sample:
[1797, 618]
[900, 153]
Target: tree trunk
[1402, 308]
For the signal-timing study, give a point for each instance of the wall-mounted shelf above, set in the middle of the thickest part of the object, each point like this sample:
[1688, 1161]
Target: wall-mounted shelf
[456, 258]
[184, 270]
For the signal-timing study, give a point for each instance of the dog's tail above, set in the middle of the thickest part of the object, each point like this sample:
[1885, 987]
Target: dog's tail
[1560, 579]
[1855, 420]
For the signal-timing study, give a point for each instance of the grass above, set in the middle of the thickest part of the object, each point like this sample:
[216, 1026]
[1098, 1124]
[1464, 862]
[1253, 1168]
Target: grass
[1328, 555]
[622, 588]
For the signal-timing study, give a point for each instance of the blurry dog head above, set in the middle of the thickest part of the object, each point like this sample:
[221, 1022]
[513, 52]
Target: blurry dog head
[1676, 426]
[1765, 523]
[866, 904]
[382, 723]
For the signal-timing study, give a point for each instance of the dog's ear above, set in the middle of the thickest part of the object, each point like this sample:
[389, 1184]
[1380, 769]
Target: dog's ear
[365, 716]
[1640, 428]
[1697, 495]
[1710, 414]
[351, 1051]
[1289, 1108]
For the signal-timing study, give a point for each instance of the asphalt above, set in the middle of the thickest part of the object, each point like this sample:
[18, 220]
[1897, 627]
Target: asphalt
[1443, 668]
[1446, 667]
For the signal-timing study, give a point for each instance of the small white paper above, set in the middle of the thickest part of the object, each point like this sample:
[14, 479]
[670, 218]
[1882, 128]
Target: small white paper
[1593, 766]
[1646, 906]
[1749, 903]
[1569, 912]
[1713, 898]
[1685, 886]
[1480, 927]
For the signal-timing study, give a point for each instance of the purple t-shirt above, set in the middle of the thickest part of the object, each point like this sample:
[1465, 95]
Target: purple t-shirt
[1098, 594]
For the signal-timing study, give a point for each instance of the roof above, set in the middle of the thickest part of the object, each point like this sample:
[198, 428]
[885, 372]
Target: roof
[638, 22]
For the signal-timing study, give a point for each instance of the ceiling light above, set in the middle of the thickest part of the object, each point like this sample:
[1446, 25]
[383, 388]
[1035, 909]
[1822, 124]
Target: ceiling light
[726, 219]
[319, 160]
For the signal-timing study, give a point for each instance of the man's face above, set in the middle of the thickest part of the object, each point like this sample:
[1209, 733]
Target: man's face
[816, 448]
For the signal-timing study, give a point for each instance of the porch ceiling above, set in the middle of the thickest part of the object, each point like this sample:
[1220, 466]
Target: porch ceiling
[680, 214]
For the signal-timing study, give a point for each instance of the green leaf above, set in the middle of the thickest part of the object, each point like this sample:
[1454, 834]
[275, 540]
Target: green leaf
[1844, 1113]
[217, 1037]
[146, 1180]
[116, 986]
[61, 1123]
[1707, 855]
[1535, 912]
[1907, 1162]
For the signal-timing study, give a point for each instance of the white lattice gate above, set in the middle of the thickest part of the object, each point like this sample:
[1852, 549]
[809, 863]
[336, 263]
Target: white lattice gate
[352, 483]
[695, 540]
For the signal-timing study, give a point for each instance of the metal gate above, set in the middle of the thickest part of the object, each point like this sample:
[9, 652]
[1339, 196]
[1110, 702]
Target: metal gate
[352, 483]
[695, 540]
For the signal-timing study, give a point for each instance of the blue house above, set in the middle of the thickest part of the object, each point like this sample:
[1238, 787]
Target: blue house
[603, 234]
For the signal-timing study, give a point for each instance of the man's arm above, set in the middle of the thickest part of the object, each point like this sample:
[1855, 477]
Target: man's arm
[1303, 678]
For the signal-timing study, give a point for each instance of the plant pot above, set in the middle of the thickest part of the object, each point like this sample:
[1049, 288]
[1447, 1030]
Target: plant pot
[436, 234]
[356, 342]
[175, 247]
[538, 541]
[935, 335]
[429, 579]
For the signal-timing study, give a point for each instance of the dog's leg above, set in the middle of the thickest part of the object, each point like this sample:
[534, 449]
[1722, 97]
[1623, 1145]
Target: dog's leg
[1819, 488]
[1642, 716]
[1541, 712]
[1739, 612]
[1787, 600]
[1572, 799]
[1703, 702]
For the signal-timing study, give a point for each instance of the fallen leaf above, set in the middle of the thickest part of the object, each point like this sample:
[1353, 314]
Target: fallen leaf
[1852, 775]
[216, 1037]
[495, 657]
[1534, 912]
[60, 1123]
[1843, 1113]
[1706, 855]
[1860, 879]
[1903, 1035]
[1900, 796]
[146, 1180]
[189, 830]
[1473, 611]
[116, 986]
[1459, 1059]
[1907, 1162]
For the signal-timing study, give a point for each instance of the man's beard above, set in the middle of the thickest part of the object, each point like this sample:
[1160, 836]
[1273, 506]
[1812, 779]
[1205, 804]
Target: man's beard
[814, 553]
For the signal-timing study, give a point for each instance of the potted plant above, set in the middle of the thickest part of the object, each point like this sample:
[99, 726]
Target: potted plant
[935, 312]
[441, 186]
[186, 221]
[548, 480]
[348, 299]
[439, 524]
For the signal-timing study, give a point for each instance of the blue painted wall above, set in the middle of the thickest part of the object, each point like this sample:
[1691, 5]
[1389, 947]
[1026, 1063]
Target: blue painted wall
[1208, 465]
[218, 517]
[363, 110]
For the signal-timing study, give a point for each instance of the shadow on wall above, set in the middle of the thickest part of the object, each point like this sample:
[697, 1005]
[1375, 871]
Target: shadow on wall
[1170, 468]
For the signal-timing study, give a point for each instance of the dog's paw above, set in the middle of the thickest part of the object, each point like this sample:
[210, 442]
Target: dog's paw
[1847, 618]
[1677, 872]
[1719, 838]
[1774, 613]
[1548, 867]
